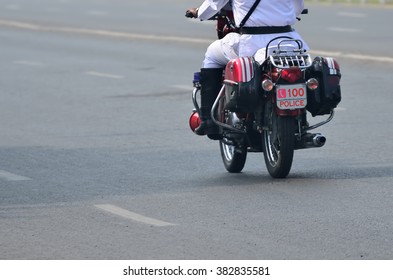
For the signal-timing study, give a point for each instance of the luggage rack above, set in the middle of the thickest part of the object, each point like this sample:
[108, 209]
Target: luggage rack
[284, 57]
[287, 61]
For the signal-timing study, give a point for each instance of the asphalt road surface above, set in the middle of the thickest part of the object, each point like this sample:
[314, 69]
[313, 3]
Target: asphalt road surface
[97, 160]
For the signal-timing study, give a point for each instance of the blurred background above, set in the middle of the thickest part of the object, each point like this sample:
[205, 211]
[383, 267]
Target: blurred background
[381, 2]
[95, 100]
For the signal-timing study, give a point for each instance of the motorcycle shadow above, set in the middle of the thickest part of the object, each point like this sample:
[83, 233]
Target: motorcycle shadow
[345, 172]
[253, 178]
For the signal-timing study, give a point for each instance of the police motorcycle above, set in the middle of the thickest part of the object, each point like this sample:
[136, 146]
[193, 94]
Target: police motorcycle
[263, 107]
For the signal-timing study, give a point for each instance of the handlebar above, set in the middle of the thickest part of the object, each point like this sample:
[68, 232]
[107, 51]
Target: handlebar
[189, 14]
[222, 14]
[225, 20]
[304, 12]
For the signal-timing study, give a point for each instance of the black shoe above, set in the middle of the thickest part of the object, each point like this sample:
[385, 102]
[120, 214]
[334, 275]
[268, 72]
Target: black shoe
[206, 127]
[215, 136]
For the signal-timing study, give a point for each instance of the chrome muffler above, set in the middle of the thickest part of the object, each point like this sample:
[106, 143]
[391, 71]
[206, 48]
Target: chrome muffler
[312, 140]
[318, 140]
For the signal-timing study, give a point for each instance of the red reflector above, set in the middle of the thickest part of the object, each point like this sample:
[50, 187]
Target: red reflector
[194, 121]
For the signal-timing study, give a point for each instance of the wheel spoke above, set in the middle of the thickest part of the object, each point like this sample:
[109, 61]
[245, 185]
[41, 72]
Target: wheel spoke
[228, 151]
[233, 156]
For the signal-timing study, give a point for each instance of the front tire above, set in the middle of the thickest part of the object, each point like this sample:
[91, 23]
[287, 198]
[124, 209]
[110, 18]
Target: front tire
[233, 152]
[234, 158]
[279, 145]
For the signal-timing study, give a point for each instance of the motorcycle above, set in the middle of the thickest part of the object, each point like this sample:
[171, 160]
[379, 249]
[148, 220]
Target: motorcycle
[263, 107]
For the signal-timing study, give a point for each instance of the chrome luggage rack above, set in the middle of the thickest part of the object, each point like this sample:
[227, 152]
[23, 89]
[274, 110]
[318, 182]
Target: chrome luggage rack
[284, 57]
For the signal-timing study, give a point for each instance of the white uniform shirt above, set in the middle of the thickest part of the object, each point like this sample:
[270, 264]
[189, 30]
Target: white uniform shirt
[267, 13]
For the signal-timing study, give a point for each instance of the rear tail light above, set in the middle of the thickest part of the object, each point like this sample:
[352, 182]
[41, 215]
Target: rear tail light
[292, 74]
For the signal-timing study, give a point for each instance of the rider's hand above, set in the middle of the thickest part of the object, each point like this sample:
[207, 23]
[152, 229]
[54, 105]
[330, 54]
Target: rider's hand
[192, 13]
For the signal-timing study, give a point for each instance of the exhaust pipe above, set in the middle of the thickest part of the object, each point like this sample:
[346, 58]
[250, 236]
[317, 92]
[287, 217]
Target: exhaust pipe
[312, 141]
[319, 140]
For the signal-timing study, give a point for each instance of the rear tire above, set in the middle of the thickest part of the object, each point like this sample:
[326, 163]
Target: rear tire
[279, 145]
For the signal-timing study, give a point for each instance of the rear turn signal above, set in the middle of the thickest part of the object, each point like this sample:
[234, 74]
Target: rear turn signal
[267, 85]
[312, 83]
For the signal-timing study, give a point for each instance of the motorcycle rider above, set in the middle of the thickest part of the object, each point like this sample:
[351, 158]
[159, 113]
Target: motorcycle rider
[257, 26]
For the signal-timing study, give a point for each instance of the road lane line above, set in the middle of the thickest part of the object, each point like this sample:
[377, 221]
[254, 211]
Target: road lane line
[385, 59]
[96, 13]
[104, 75]
[183, 87]
[136, 36]
[8, 176]
[352, 14]
[27, 62]
[132, 215]
[345, 30]
[100, 32]
[13, 7]
[369, 57]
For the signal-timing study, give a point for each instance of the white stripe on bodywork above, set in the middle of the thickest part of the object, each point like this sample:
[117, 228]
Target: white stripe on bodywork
[332, 68]
[250, 73]
[246, 67]
[241, 60]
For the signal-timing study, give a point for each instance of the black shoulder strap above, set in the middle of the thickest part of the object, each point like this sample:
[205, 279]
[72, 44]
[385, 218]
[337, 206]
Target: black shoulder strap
[249, 13]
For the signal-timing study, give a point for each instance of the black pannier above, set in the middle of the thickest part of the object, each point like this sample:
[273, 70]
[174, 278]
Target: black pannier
[242, 85]
[328, 94]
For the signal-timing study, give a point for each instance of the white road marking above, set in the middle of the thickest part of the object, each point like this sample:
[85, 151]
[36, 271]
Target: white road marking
[325, 53]
[13, 7]
[385, 59]
[183, 87]
[343, 29]
[133, 36]
[131, 215]
[8, 176]
[351, 14]
[100, 32]
[199, 22]
[53, 10]
[104, 75]
[97, 13]
[27, 62]
[370, 57]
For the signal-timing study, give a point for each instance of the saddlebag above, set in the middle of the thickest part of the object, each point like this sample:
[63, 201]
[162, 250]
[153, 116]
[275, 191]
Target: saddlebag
[242, 84]
[328, 94]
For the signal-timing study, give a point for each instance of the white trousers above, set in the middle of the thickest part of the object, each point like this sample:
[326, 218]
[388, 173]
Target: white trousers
[234, 45]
